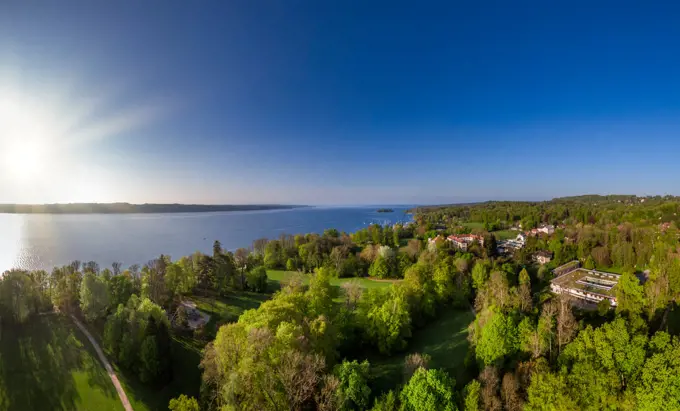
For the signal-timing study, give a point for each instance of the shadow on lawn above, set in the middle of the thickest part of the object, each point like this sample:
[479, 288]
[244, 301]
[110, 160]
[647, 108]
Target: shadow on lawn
[36, 364]
[186, 377]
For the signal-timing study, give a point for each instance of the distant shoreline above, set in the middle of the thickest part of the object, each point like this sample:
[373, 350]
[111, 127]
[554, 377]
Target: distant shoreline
[126, 208]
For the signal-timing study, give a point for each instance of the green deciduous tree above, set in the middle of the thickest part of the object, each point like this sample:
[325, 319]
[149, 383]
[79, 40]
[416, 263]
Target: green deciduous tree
[494, 335]
[121, 288]
[386, 402]
[379, 268]
[353, 390]
[480, 274]
[548, 392]
[385, 319]
[183, 403]
[429, 390]
[257, 280]
[94, 297]
[659, 387]
[629, 294]
[472, 394]
[19, 296]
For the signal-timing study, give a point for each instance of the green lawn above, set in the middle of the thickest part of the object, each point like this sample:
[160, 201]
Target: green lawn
[472, 225]
[505, 234]
[48, 364]
[500, 234]
[276, 276]
[228, 308]
[444, 340]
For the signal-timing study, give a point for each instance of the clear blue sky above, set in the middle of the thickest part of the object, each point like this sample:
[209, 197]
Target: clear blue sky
[349, 102]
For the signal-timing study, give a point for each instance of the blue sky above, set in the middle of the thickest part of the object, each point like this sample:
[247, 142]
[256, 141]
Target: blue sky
[338, 103]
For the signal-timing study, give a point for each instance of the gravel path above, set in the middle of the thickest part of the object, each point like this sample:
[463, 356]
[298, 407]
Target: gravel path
[107, 365]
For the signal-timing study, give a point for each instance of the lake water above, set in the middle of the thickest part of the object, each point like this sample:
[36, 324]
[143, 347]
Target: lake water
[42, 241]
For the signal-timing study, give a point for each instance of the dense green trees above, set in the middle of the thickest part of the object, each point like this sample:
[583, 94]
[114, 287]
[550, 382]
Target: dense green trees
[94, 296]
[385, 319]
[138, 337]
[610, 367]
[275, 356]
[21, 296]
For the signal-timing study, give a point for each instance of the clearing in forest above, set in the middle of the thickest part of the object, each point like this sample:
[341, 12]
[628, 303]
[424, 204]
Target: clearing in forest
[444, 340]
[277, 276]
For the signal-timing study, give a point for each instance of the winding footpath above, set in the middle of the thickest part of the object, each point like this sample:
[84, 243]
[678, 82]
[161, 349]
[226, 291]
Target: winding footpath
[107, 365]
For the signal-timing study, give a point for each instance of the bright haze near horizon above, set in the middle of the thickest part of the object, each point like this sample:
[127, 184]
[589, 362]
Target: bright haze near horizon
[309, 102]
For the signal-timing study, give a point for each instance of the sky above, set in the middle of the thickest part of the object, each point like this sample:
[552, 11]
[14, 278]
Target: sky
[321, 102]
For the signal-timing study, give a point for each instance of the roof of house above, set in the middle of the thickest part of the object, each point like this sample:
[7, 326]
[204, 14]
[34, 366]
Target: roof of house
[463, 238]
[544, 253]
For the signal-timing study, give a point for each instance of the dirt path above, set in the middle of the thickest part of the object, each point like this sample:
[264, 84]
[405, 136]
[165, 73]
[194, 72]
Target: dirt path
[107, 365]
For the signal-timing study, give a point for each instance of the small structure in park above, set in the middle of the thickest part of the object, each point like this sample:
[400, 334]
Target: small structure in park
[195, 317]
[592, 286]
[543, 257]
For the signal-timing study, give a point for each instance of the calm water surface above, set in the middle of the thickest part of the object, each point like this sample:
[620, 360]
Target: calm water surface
[42, 241]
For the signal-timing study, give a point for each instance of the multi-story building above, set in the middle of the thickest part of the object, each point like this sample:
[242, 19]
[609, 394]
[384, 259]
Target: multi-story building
[463, 241]
[590, 286]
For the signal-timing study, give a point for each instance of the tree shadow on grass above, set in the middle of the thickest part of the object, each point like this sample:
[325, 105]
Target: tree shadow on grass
[37, 360]
[186, 377]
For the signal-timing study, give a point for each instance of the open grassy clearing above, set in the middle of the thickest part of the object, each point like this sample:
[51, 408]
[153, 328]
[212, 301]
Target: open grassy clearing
[499, 234]
[228, 308]
[48, 364]
[505, 234]
[474, 225]
[444, 340]
[280, 275]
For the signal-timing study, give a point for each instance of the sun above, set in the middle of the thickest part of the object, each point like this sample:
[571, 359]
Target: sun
[24, 160]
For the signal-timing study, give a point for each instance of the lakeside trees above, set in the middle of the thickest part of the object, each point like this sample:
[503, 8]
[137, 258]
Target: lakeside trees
[307, 346]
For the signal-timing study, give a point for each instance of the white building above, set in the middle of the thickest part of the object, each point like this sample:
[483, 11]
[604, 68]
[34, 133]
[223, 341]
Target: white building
[547, 229]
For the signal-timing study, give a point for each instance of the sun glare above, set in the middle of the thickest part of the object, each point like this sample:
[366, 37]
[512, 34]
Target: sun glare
[24, 161]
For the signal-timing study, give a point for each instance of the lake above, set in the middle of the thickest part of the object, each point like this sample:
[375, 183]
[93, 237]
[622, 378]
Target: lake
[42, 241]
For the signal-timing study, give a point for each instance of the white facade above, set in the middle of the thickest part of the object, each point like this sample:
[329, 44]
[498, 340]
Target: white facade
[547, 229]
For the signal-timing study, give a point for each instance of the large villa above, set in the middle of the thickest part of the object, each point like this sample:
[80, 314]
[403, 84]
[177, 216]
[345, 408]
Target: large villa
[588, 285]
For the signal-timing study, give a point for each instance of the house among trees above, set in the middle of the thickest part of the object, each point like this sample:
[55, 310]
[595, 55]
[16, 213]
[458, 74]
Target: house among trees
[547, 229]
[463, 241]
[508, 246]
[543, 257]
[435, 239]
[591, 286]
[543, 229]
[521, 238]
